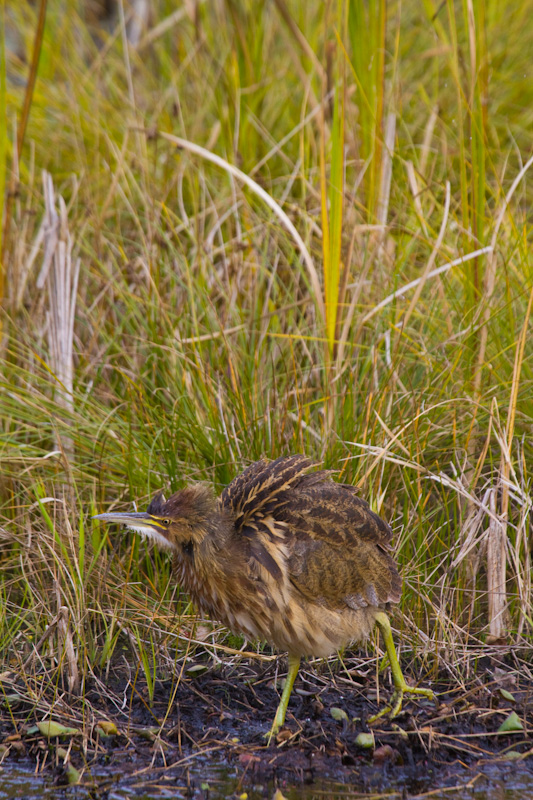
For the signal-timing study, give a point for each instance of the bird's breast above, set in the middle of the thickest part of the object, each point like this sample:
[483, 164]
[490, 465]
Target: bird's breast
[252, 602]
[241, 600]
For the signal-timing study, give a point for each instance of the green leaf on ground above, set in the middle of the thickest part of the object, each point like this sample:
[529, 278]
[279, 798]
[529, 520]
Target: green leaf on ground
[52, 729]
[511, 723]
[339, 714]
[365, 740]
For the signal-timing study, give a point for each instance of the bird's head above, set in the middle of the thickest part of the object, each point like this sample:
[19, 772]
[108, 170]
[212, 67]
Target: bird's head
[178, 524]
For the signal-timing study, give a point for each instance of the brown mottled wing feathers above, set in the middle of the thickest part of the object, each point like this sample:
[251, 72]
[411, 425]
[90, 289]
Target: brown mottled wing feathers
[340, 551]
[261, 483]
[337, 546]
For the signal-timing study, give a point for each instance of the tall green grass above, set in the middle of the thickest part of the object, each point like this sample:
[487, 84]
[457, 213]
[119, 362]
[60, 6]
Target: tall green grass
[390, 136]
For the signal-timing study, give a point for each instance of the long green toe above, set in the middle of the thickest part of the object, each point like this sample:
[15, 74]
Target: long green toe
[400, 685]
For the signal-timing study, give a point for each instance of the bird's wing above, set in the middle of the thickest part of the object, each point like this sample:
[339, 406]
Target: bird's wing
[262, 484]
[338, 547]
[250, 498]
[314, 532]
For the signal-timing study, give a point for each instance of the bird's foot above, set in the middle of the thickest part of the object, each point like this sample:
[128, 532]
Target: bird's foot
[395, 705]
[273, 732]
[277, 725]
[279, 719]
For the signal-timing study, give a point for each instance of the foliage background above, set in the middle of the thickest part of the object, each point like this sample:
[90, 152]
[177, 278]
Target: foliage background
[160, 323]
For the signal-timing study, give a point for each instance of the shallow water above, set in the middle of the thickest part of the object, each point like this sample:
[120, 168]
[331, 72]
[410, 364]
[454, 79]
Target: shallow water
[19, 781]
[495, 782]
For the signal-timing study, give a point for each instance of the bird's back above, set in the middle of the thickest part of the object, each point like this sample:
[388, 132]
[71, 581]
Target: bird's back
[316, 546]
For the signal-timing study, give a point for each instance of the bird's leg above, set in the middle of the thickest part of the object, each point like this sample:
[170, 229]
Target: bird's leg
[400, 686]
[279, 719]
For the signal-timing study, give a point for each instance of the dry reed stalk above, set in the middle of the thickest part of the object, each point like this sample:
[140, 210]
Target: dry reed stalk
[60, 273]
[386, 171]
[66, 646]
[496, 574]
[138, 20]
[496, 551]
[378, 237]
[426, 144]
[498, 538]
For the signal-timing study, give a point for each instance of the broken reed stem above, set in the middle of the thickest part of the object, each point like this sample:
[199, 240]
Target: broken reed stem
[382, 214]
[497, 543]
[60, 273]
[496, 572]
[66, 646]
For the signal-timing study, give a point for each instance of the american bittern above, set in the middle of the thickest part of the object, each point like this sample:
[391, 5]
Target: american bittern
[283, 555]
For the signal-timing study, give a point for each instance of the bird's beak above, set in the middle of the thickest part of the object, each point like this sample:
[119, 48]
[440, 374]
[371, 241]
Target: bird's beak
[135, 518]
[142, 523]
[139, 521]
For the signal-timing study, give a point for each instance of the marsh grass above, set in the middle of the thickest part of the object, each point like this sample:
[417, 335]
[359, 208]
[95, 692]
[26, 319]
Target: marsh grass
[395, 139]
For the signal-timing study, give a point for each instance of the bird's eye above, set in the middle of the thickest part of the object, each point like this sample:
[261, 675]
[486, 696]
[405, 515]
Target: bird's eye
[166, 522]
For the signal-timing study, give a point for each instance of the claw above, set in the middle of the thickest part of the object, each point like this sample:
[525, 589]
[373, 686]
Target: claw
[273, 732]
[395, 705]
[400, 686]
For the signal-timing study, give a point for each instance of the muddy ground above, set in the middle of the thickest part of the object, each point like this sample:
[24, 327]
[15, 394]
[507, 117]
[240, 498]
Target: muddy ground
[209, 741]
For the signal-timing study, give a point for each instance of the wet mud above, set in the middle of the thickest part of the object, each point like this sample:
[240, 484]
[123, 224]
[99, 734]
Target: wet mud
[204, 736]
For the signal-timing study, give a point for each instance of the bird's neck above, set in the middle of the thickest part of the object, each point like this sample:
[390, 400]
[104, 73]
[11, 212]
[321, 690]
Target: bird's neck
[207, 561]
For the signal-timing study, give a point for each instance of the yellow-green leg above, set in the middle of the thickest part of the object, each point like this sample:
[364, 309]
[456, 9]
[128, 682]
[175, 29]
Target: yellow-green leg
[400, 686]
[279, 719]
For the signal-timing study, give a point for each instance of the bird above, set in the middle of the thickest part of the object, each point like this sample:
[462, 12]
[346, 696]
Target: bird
[285, 555]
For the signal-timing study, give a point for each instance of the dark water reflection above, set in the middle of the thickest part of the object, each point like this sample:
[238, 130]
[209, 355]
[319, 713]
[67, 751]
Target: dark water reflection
[495, 782]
